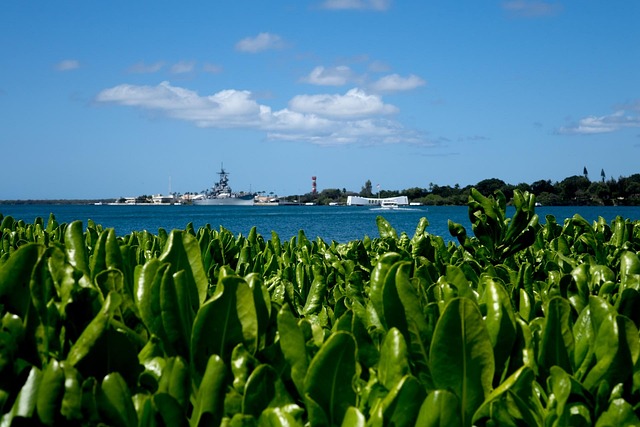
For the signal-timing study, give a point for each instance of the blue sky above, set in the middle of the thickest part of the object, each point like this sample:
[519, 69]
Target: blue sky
[121, 98]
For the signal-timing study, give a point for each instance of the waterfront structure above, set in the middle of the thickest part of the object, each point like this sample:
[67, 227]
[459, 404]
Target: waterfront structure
[370, 201]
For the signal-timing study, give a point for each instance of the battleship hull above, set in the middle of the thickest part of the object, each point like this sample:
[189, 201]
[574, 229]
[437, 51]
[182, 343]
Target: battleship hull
[225, 201]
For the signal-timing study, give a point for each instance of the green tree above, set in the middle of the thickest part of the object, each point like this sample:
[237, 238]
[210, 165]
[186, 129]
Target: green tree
[574, 189]
[414, 193]
[542, 186]
[488, 186]
[599, 193]
[367, 189]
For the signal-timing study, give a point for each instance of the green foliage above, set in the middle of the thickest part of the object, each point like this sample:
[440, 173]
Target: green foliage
[518, 324]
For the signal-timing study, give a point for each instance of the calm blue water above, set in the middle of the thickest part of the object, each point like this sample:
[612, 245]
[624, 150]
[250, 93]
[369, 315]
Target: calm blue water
[339, 223]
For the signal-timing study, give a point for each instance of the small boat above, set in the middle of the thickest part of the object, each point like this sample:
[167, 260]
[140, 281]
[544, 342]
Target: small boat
[388, 204]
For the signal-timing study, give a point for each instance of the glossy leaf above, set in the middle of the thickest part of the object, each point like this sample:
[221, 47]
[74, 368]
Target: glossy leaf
[25, 403]
[115, 401]
[14, 277]
[50, 392]
[394, 363]
[293, 347]
[227, 319]
[378, 278]
[440, 408]
[209, 400]
[400, 407]
[260, 390]
[92, 333]
[329, 380]
[462, 356]
[500, 321]
[619, 413]
[183, 253]
[557, 342]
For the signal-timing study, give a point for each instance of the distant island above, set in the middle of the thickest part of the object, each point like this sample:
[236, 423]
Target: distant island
[576, 190]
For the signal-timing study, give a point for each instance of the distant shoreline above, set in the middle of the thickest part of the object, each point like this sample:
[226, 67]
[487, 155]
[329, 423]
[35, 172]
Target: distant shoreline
[55, 201]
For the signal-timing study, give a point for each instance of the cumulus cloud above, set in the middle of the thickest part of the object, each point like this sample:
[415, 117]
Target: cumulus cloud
[68, 65]
[355, 117]
[531, 8]
[379, 5]
[142, 68]
[183, 67]
[395, 83]
[354, 103]
[227, 108]
[334, 76]
[625, 116]
[259, 43]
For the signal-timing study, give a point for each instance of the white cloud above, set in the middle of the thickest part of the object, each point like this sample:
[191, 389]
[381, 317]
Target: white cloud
[355, 103]
[531, 8]
[335, 76]
[142, 68]
[395, 83]
[227, 108]
[183, 67]
[628, 116]
[320, 119]
[379, 5]
[68, 65]
[259, 43]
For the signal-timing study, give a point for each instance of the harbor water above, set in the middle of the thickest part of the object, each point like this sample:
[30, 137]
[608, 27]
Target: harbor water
[339, 223]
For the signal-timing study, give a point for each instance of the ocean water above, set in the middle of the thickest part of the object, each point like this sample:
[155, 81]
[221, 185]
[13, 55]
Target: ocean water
[339, 223]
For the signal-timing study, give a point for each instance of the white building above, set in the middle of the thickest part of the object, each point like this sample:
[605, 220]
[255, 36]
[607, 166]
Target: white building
[369, 201]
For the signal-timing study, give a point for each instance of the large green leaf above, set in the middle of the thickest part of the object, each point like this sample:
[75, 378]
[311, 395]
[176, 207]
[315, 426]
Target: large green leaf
[260, 390]
[25, 404]
[378, 278]
[50, 392]
[461, 356]
[441, 408]
[500, 321]
[175, 308]
[619, 413]
[616, 346]
[76, 249]
[106, 253]
[14, 277]
[557, 342]
[147, 295]
[71, 405]
[629, 270]
[400, 407]
[287, 416]
[394, 362]
[182, 251]
[517, 399]
[415, 317]
[176, 381]
[92, 333]
[115, 401]
[329, 380]
[292, 344]
[227, 319]
[209, 398]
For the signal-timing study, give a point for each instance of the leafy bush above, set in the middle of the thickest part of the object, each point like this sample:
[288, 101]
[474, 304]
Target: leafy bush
[519, 324]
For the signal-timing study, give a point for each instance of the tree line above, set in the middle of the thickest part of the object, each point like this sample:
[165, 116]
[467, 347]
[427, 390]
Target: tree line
[576, 190]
